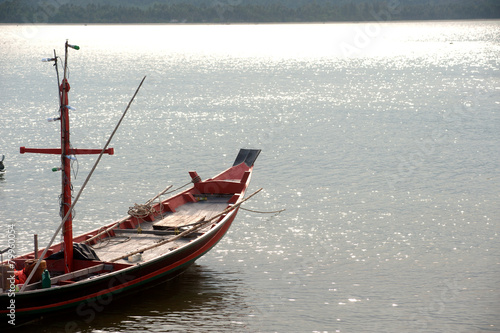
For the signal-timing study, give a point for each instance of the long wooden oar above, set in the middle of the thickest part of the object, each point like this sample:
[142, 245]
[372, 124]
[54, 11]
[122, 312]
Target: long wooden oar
[81, 190]
[189, 231]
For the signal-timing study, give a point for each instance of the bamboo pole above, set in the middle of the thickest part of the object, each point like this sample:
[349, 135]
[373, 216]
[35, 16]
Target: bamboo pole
[189, 231]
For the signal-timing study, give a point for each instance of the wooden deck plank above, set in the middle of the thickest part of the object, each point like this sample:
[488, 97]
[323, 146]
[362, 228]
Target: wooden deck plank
[190, 213]
[177, 221]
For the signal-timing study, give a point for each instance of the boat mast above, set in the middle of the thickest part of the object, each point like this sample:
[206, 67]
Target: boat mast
[66, 167]
[66, 152]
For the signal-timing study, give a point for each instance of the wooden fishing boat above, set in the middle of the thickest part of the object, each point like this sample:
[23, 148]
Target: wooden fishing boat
[155, 242]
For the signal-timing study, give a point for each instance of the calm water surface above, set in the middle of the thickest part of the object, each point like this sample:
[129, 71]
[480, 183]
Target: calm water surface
[380, 140]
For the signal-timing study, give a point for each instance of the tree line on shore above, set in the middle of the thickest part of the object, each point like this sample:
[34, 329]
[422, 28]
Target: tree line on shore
[236, 12]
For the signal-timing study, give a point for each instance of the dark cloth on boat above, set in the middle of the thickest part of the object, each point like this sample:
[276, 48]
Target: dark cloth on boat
[80, 252]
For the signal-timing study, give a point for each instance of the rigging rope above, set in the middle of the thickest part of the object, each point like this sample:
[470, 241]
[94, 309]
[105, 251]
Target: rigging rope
[261, 212]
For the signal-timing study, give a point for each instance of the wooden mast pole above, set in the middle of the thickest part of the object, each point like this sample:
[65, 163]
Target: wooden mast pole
[66, 168]
[89, 151]
[66, 151]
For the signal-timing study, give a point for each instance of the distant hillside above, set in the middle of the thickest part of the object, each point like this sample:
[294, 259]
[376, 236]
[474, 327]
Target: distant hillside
[236, 11]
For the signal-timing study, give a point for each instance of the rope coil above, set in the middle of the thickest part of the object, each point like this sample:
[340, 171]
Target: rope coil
[140, 211]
